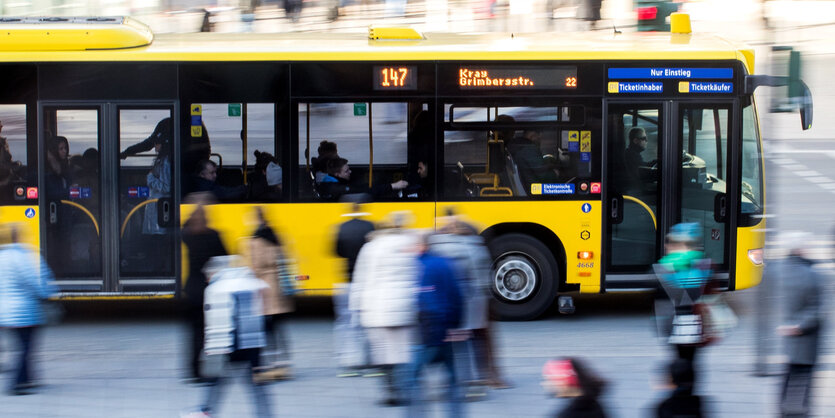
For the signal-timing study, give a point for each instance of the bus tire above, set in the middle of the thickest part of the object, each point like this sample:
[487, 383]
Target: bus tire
[523, 277]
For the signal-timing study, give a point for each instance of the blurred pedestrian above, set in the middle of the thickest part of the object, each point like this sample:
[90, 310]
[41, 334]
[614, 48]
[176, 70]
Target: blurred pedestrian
[264, 257]
[24, 286]
[349, 337]
[683, 273]
[439, 311]
[458, 241]
[234, 330]
[202, 243]
[383, 291]
[681, 403]
[802, 322]
[571, 378]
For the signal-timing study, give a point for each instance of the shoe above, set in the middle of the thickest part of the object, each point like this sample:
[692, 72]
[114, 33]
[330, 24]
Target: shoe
[19, 390]
[349, 374]
[374, 373]
[499, 384]
[273, 375]
[394, 402]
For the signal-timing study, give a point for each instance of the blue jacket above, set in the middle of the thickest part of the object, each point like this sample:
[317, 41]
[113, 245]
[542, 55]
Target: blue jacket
[439, 299]
[24, 283]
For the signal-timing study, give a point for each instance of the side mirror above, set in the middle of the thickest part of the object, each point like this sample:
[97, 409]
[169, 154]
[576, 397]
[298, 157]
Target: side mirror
[804, 101]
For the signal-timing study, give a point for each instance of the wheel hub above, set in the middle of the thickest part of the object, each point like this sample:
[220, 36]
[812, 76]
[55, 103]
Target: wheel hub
[515, 278]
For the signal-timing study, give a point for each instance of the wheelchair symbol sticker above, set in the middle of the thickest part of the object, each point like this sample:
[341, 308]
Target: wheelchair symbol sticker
[586, 207]
[30, 213]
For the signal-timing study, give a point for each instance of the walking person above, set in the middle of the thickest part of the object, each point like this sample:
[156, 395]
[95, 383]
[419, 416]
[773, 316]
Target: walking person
[350, 341]
[801, 327]
[202, 243]
[24, 285]
[459, 242]
[681, 403]
[265, 256]
[234, 331]
[439, 311]
[683, 273]
[571, 378]
[383, 291]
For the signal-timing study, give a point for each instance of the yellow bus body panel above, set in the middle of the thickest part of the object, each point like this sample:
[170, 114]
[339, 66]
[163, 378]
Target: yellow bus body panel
[748, 274]
[30, 230]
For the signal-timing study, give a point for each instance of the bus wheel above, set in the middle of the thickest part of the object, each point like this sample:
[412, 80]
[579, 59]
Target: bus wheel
[523, 278]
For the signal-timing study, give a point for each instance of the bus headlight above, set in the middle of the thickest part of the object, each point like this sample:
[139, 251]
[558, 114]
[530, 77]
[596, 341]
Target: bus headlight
[756, 256]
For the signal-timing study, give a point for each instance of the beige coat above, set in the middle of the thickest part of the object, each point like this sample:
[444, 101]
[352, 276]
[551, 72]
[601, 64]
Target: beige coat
[262, 257]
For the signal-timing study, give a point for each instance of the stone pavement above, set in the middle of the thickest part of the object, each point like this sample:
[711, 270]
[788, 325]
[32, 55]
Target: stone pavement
[130, 366]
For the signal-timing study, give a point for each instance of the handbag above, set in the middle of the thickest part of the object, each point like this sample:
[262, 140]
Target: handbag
[719, 318]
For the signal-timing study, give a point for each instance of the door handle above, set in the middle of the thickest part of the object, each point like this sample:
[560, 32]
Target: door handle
[720, 208]
[164, 212]
[53, 213]
[616, 209]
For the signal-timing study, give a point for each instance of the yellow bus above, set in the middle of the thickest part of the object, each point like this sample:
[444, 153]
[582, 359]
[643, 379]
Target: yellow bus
[572, 154]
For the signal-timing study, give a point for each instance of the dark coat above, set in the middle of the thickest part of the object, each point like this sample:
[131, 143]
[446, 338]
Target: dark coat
[802, 290]
[350, 239]
[680, 404]
[201, 247]
[333, 190]
[582, 407]
[222, 193]
[532, 167]
[439, 299]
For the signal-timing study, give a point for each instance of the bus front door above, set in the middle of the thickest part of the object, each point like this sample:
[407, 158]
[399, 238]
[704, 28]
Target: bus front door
[109, 224]
[667, 162]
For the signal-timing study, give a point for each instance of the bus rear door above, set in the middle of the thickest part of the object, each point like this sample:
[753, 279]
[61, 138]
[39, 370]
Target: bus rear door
[110, 222]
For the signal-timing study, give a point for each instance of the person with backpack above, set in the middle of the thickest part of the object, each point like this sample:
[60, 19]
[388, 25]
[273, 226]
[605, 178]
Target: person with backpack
[439, 310]
[234, 311]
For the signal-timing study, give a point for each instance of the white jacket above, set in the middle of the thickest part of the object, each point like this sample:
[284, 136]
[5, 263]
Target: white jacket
[385, 280]
[234, 311]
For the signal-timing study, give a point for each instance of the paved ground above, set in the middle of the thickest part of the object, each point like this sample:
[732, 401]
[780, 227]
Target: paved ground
[117, 364]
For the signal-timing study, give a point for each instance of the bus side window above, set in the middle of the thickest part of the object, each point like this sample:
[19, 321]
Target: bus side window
[14, 170]
[221, 155]
[362, 147]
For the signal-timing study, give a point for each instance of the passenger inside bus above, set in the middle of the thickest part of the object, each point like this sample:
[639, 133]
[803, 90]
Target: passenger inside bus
[58, 168]
[205, 180]
[420, 185]
[338, 183]
[633, 159]
[194, 150]
[267, 178]
[327, 151]
[10, 170]
[526, 153]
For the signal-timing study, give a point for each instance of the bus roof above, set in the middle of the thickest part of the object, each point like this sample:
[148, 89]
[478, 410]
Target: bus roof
[357, 47]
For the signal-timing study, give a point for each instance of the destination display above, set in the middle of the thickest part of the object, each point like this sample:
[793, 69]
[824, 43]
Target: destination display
[396, 77]
[491, 77]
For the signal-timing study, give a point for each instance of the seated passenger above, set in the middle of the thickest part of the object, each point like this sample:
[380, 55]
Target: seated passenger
[205, 180]
[533, 167]
[266, 182]
[10, 170]
[327, 151]
[420, 185]
[338, 183]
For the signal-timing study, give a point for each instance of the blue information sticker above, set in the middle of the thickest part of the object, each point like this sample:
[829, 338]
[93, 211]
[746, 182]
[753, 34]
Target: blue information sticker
[711, 87]
[557, 188]
[142, 191]
[30, 213]
[585, 157]
[679, 73]
[586, 208]
[196, 120]
[574, 146]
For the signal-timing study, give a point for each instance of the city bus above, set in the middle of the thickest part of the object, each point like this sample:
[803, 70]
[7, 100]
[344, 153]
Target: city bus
[572, 154]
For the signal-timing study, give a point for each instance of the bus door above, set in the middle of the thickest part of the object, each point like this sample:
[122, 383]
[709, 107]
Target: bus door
[109, 215]
[645, 197]
[634, 192]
